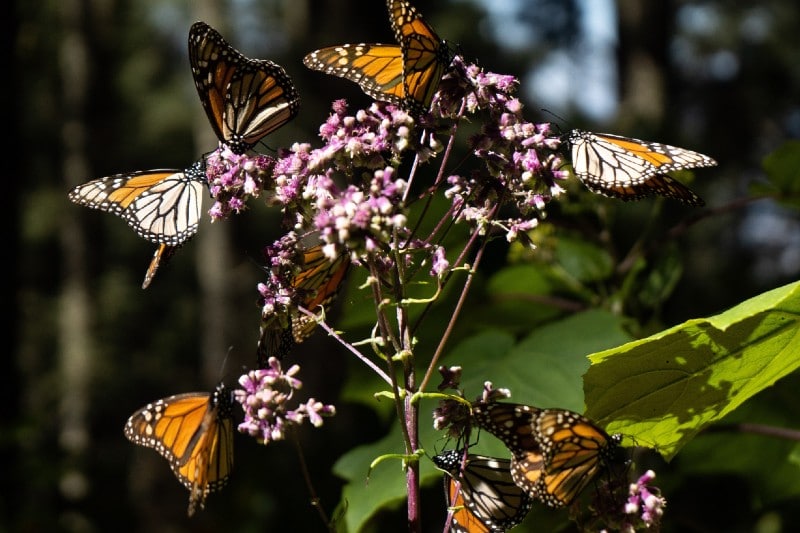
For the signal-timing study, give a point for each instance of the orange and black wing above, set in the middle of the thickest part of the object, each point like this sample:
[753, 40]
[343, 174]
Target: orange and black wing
[161, 257]
[555, 452]
[376, 68]
[573, 451]
[405, 74]
[630, 169]
[656, 185]
[162, 206]
[425, 55]
[244, 99]
[512, 423]
[487, 499]
[319, 281]
[194, 433]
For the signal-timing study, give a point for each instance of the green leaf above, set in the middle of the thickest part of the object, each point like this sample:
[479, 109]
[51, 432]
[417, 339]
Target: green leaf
[362, 498]
[520, 279]
[545, 368]
[663, 389]
[583, 260]
[515, 299]
[385, 488]
[651, 282]
[782, 167]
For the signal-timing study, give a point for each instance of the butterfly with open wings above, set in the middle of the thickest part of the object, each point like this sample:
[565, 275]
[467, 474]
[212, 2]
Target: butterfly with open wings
[245, 99]
[406, 74]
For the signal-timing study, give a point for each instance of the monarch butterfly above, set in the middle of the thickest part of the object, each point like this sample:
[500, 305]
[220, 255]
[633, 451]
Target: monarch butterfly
[194, 432]
[406, 74]
[319, 280]
[245, 99]
[631, 169]
[555, 452]
[162, 206]
[488, 499]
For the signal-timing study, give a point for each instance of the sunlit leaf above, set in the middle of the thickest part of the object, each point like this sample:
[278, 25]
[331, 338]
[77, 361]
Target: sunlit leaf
[663, 389]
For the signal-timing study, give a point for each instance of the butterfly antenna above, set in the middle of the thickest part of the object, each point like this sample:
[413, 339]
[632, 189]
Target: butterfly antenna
[225, 361]
[558, 117]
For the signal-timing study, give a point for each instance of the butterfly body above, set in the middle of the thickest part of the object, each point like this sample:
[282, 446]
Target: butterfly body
[631, 169]
[194, 433]
[244, 98]
[488, 499]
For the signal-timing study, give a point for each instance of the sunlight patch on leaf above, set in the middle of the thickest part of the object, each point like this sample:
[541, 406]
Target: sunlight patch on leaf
[663, 389]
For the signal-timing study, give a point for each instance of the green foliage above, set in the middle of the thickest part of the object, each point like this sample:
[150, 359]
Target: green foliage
[516, 330]
[662, 390]
[782, 168]
[513, 300]
[583, 260]
[374, 485]
[768, 464]
[650, 283]
[544, 369]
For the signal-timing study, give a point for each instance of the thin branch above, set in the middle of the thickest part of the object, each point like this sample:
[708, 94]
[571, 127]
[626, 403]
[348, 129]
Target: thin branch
[364, 359]
[454, 317]
[312, 493]
[757, 429]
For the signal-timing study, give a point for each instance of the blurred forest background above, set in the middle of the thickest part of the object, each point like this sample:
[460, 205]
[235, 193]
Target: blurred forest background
[98, 88]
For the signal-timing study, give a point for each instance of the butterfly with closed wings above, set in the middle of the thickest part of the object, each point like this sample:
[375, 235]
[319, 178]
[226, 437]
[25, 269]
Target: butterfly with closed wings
[406, 74]
[163, 206]
[488, 500]
[318, 281]
[244, 99]
[194, 432]
[631, 169]
[555, 452]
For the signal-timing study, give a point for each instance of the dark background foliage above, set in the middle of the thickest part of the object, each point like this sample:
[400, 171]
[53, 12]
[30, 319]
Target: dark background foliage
[93, 89]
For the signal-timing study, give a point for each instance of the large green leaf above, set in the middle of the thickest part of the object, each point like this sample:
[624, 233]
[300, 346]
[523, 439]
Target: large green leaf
[663, 389]
[367, 492]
